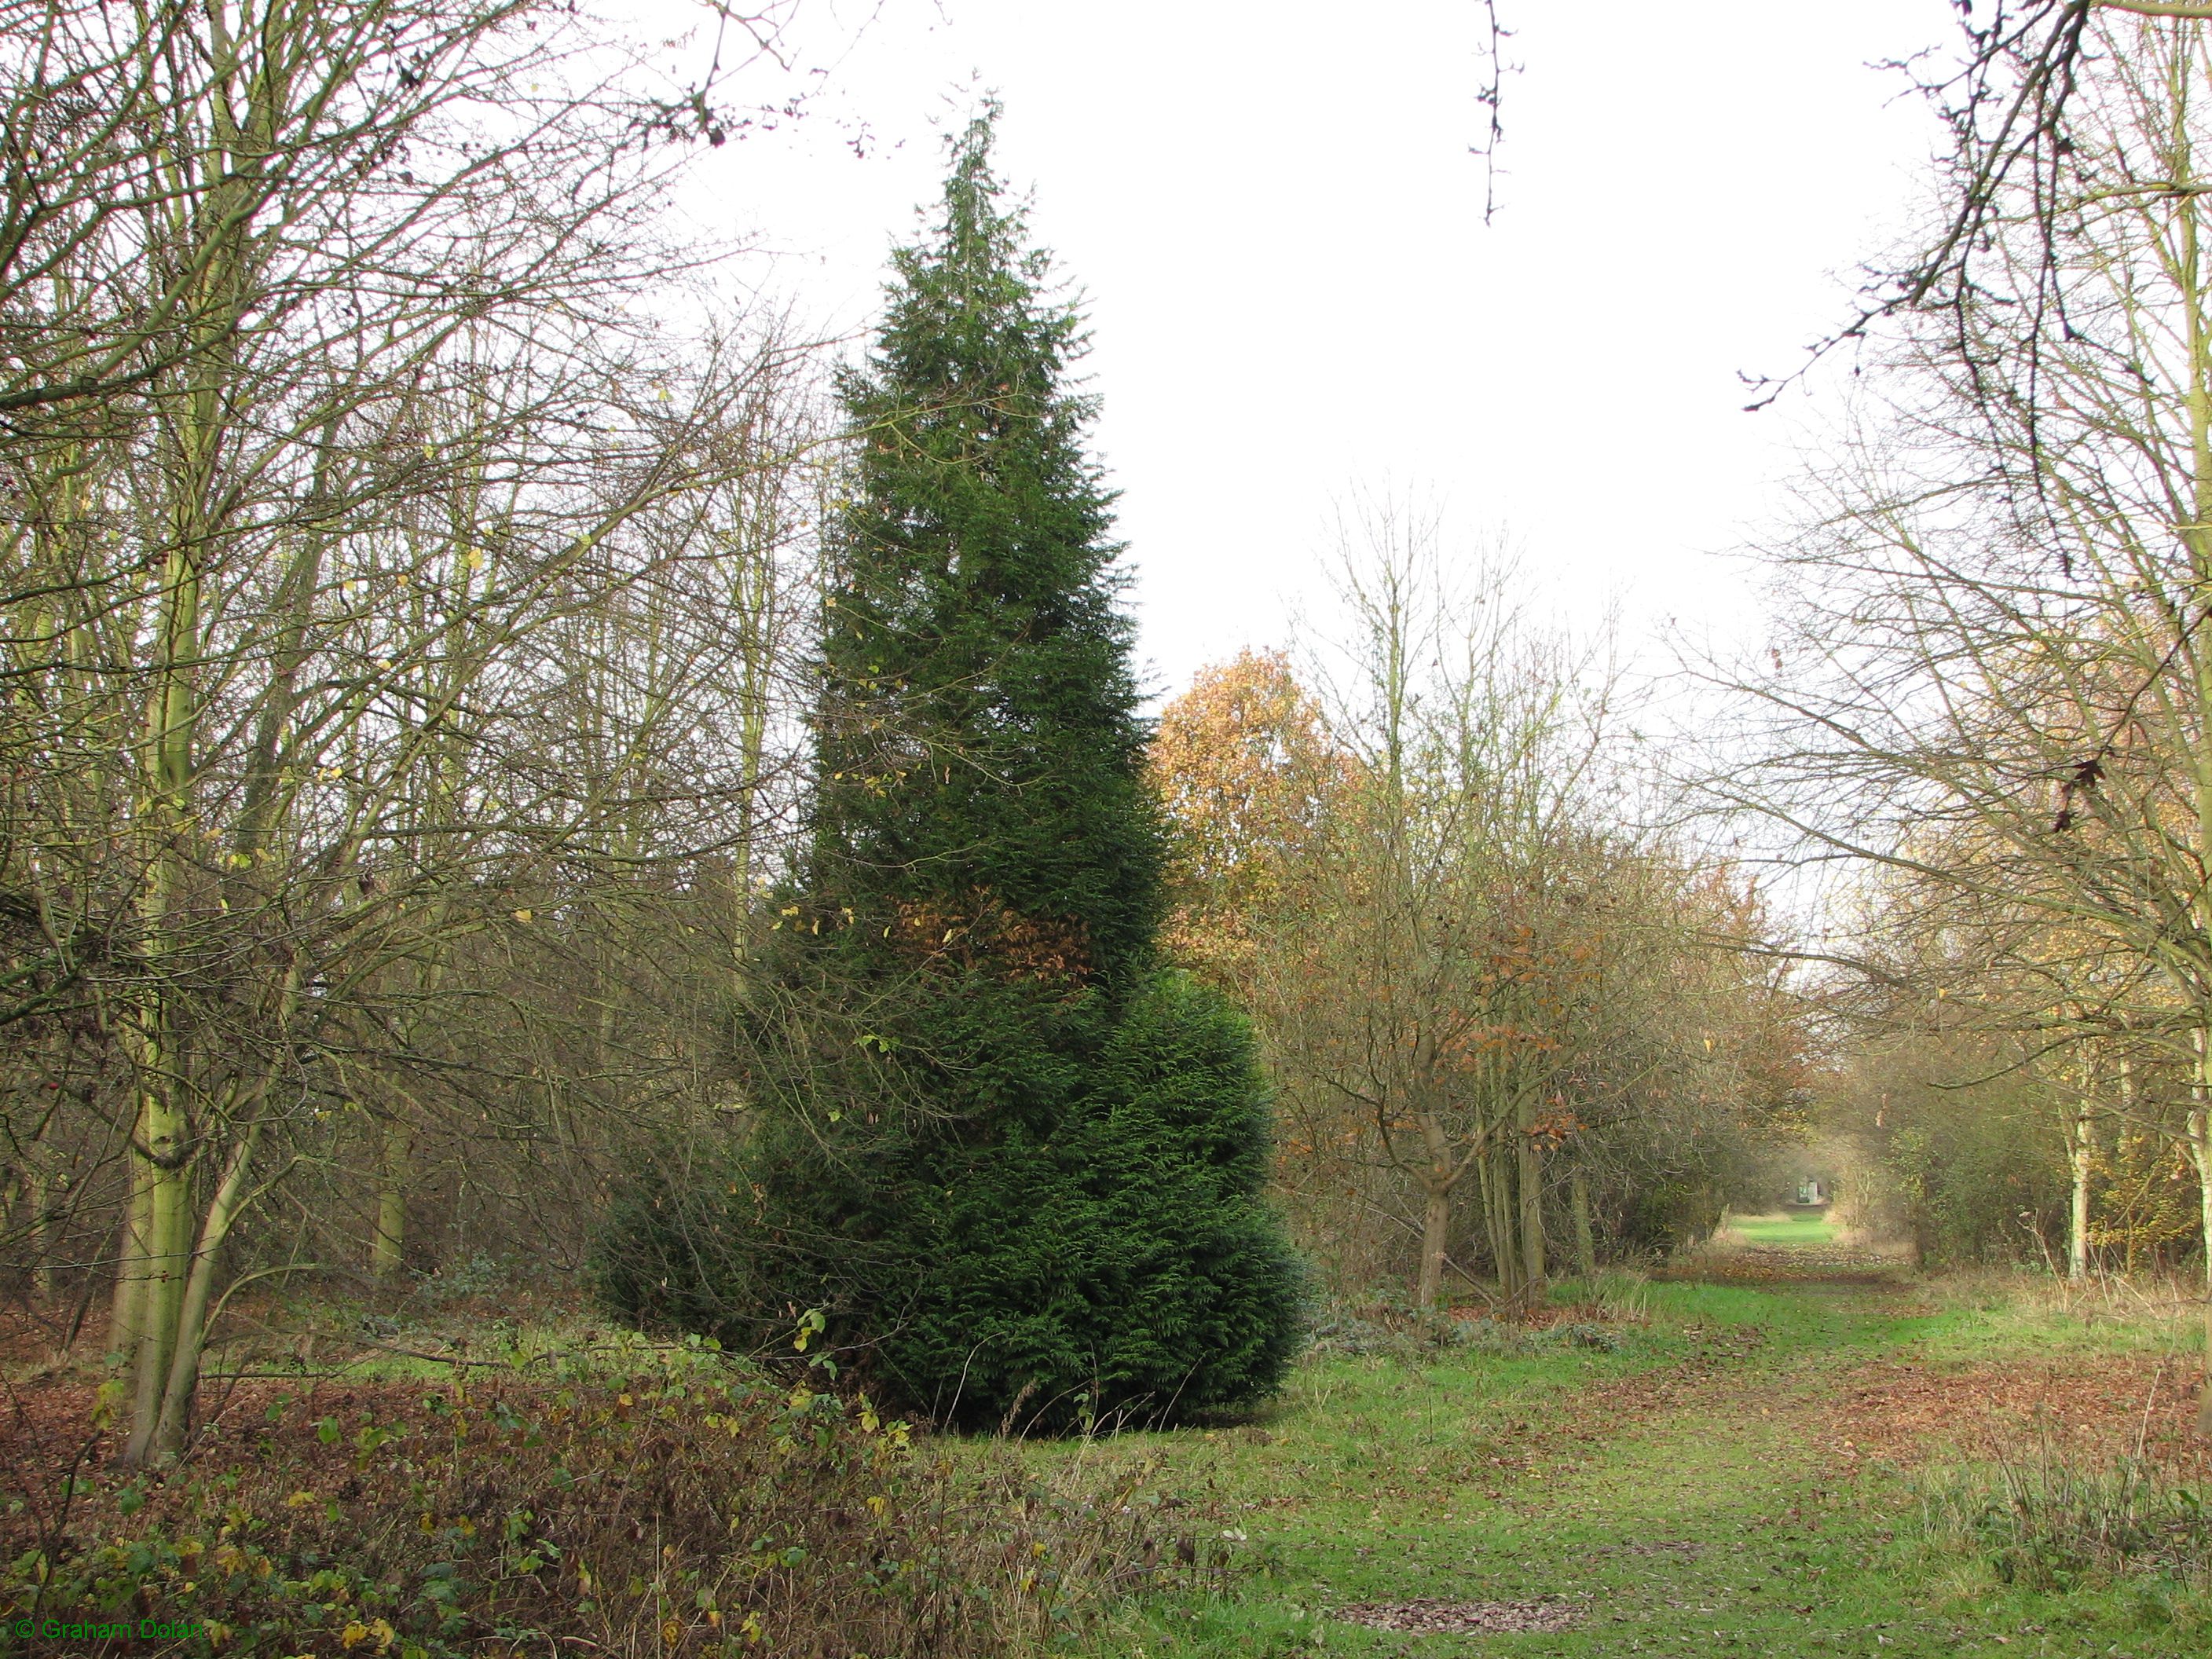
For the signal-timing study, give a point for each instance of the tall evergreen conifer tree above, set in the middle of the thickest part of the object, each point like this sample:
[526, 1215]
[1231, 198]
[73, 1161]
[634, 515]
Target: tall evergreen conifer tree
[979, 750]
[1018, 1165]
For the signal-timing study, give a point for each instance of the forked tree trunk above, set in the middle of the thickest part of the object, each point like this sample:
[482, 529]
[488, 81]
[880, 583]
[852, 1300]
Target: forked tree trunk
[179, 1387]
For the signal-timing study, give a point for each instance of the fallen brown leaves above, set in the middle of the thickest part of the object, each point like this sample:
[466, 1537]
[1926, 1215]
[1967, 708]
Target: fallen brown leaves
[1430, 1617]
[1603, 1406]
[1829, 1264]
[2096, 1407]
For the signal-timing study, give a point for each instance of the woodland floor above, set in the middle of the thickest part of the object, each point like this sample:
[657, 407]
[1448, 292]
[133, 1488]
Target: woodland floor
[1798, 1450]
[1785, 1446]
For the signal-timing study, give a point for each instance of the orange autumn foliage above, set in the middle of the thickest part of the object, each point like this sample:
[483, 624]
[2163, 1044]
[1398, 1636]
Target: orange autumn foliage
[1247, 777]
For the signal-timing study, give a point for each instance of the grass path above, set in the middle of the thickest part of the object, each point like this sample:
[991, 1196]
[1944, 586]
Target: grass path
[1692, 1493]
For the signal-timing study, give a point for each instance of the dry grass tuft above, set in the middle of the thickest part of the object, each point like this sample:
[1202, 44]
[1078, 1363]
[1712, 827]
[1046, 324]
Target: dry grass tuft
[2047, 1520]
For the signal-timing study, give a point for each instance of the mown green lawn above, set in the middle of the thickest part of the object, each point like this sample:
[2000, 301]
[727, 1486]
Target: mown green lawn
[1681, 1490]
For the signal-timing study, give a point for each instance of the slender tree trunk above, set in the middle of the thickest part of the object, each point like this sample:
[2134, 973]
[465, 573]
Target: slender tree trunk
[1529, 1170]
[387, 1250]
[38, 1231]
[158, 1434]
[125, 1321]
[2197, 536]
[1500, 1201]
[1585, 1239]
[162, 1149]
[166, 1156]
[1486, 1195]
[2198, 1138]
[2081, 1150]
[754, 590]
[1439, 1175]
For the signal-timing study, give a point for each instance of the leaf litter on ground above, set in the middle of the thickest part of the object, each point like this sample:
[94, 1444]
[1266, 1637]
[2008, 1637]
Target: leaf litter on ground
[1427, 1616]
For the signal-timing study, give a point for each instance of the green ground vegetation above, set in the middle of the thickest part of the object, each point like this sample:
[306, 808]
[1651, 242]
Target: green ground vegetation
[1783, 1231]
[1680, 1479]
[1673, 1461]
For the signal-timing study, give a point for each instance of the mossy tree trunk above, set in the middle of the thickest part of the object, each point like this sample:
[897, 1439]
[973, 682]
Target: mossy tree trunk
[1585, 1238]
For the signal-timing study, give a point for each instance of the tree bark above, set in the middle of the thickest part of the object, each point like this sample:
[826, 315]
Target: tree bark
[124, 1320]
[1529, 1170]
[2200, 1153]
[166, 1155]
[1585, 1239]
[1498, 1202]
[2081, 1154]
[388, 1248]
[2197, 537]
[38, 1235]
[1436, 1241]
[161, 1149]
[181, 1385]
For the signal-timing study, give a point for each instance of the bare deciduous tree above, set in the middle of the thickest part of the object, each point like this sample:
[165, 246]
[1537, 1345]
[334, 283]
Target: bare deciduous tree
[386, 582]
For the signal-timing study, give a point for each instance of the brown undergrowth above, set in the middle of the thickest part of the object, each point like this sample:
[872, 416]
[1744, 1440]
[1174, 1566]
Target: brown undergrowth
[2057, 1475]
[1827, 1264]
[2084, 1407]
[690, 1505]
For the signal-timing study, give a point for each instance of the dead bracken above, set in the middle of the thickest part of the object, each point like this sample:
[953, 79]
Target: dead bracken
[1431, 1617]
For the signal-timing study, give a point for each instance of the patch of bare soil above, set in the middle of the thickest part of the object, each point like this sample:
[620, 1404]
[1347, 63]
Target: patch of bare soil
[1597, 1413]
[1433, 1618]
[2091, 1408]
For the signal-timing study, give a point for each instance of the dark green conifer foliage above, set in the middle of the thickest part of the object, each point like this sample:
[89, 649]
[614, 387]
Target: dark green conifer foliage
[1019, 1164]
[979, 745]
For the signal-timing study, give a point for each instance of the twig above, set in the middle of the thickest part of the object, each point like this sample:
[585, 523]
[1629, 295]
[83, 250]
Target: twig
[51, 1547]
[2143, 1434]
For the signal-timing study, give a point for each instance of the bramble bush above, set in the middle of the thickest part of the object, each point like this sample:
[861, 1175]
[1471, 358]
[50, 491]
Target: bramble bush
[685, 1504]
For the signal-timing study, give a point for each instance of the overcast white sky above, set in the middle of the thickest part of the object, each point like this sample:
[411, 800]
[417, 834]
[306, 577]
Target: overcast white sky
[1274, 213]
